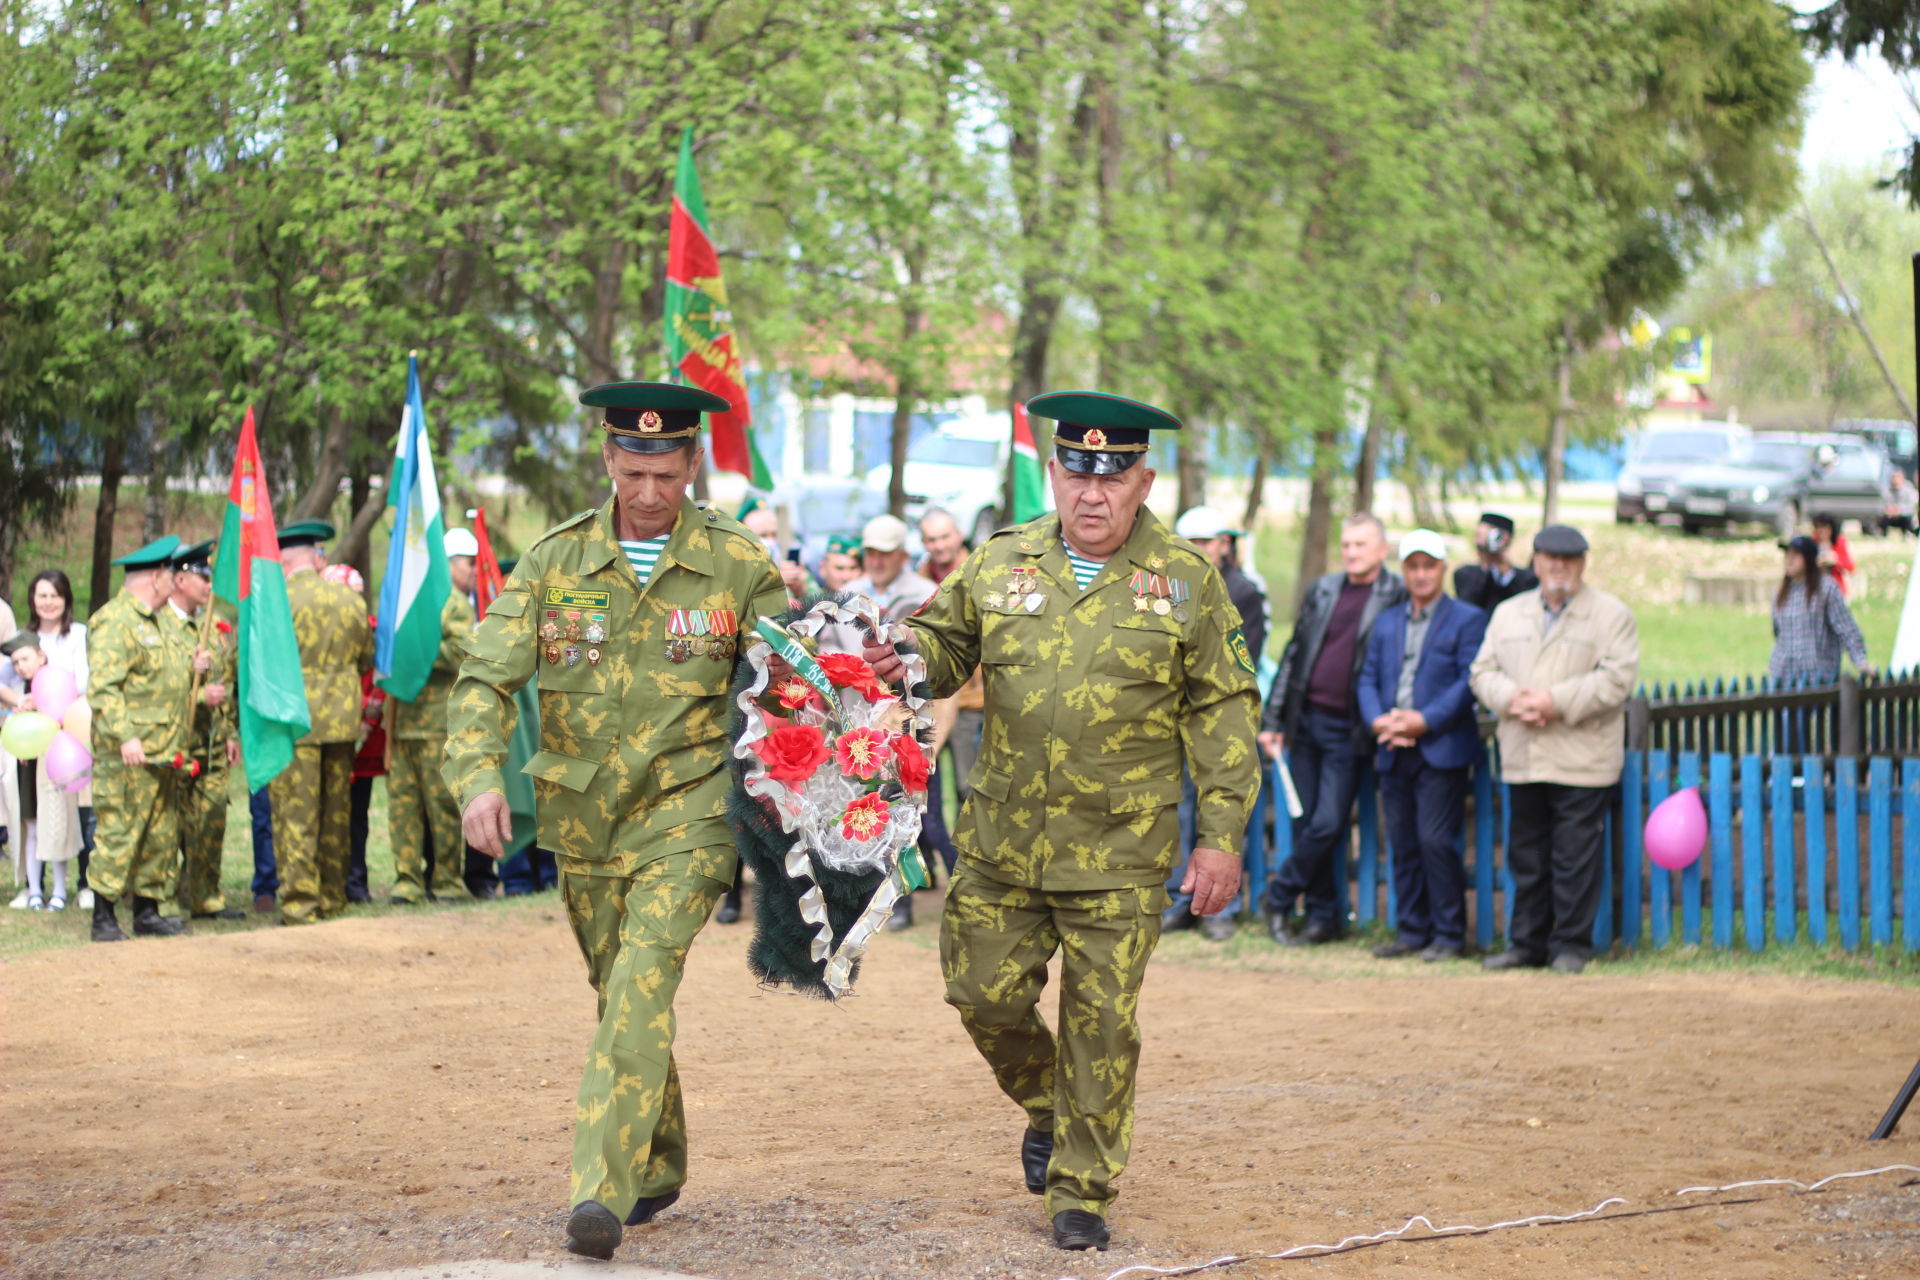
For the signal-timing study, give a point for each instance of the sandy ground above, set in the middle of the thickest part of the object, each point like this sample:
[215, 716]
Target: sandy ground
[388, 1094]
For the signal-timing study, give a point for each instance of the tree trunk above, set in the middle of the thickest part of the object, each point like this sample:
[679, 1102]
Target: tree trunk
[112, 471]
[335, 451]
[153, 522]
[1256, 493]
[1367, 470]
[1555, 462]
[1313, 541]
[1191, 464]
[359, 553]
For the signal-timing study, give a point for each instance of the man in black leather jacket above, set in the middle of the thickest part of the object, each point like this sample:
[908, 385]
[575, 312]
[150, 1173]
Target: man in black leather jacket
[1311, 711]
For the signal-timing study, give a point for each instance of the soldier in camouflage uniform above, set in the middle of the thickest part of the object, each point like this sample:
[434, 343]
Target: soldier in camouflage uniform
[418, 801]
[633, 616]
[213, 741]
[312, 797]
[137, 686]
[1111, 653]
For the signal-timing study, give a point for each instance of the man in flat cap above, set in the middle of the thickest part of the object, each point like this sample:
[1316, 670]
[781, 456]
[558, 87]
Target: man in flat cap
[632, 614]
[1494, 579]
[1112, 656]
[213, 739]
[137, 686]
[420, 805]
[312, 799]
[1557, 667]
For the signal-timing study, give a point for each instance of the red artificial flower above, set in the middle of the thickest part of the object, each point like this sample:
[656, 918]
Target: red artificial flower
[793, 752]
[862, 753]
[912, 760]
[224, 627]
[847, 671]
[793, 693]
[865, 818]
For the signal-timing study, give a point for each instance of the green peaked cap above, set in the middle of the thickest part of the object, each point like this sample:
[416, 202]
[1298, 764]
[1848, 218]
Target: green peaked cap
[302, 533]
[157, 554]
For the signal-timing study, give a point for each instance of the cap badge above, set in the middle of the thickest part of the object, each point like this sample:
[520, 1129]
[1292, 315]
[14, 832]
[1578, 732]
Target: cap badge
[650, 421]
[1095, 438]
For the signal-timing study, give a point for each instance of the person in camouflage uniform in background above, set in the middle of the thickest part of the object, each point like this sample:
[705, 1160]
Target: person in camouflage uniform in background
[312, 797]
[138, 671]
[633, 615]
[1111, 652]
[213, 742]
[419, 802]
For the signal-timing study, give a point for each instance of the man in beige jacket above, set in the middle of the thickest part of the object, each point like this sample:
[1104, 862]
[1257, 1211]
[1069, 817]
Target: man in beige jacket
[1556, 668]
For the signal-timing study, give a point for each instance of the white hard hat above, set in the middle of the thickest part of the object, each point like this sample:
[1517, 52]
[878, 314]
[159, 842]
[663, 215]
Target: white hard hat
[1423, 540]
[461, 542]
[1202, 524]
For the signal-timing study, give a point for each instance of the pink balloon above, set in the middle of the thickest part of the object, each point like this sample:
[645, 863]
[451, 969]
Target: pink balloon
[1677, 830]
[54, 690]
[69, 765]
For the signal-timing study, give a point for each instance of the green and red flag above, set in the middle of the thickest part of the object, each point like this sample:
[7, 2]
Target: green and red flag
[247, 572]
[488, 581]
[700, 343]
[1029, 493]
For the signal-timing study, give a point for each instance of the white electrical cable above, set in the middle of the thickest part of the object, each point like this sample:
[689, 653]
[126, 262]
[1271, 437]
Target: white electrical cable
[1351, 1242]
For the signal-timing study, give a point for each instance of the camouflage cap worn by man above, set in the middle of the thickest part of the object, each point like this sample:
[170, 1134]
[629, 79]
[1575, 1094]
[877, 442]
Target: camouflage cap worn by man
[137, 686]
[1111, 656]
[632, 615]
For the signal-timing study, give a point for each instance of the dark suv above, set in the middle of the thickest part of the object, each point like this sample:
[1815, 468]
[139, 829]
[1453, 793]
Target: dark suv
[1782, 479]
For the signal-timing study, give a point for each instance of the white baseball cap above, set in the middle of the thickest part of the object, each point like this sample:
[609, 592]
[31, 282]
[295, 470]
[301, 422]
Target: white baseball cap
[1423, 540]
[884, 533]
[1202, 524]
[461, 542]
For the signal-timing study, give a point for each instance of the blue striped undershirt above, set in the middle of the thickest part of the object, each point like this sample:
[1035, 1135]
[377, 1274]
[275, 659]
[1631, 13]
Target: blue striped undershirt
[1084, 570]
[644, 555]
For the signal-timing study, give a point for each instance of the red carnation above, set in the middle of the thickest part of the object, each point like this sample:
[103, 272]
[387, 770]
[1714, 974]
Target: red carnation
[793, 693]
[912, 761]
[865, 818]
[793, 752]
[850, 672]
[224, 627]
[862, 753]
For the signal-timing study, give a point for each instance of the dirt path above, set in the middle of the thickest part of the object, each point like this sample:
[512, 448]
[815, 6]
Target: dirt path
[389, 1093]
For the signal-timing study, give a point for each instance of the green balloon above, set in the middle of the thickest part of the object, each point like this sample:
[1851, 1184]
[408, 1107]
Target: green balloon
[27, 734]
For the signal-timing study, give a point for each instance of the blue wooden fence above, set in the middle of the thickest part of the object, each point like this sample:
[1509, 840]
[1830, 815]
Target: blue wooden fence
[1783, 859]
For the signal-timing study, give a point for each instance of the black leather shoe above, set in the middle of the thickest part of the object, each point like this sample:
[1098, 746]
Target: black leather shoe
[1442, 951]
[1514, 960]
[902, 917]
[646, 1207]
[149, 923]
[593, 1231]
[1396, 950]
[1036, 1153]
[1174, 919]
[225, 913]
[1217, 928]
[1078, 1229]
[1318, 934]
[1278, 931]
[729, 912]
[105, 927]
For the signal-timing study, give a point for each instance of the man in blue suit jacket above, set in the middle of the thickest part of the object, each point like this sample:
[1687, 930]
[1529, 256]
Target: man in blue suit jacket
[1413, 694]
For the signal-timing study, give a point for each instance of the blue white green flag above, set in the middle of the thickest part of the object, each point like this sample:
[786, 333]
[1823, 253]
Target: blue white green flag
[416, 584]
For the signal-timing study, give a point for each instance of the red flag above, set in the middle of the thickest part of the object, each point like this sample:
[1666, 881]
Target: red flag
[488, 581]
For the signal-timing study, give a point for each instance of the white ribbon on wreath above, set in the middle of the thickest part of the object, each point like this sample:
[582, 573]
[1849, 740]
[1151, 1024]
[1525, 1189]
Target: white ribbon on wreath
[811, 813]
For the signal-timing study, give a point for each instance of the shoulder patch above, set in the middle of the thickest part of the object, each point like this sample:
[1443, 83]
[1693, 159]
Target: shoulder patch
[1237, 646]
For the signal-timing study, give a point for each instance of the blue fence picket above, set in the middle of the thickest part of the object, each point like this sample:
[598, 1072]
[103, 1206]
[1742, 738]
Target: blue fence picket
[1880, 849]
[1483, 856]
[1813, 796]
[1846, 847]
[1910, 853]
[1256, 859]
[1753, 860]
[1782, 801]
[1659, 879]
[1720, 833]
[1368, 872]
[1633, 816]
[1690, 877]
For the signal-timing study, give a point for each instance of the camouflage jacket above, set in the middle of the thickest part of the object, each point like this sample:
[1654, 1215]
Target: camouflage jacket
[138, 669]
[336, 645]
[1094, 699]
[210, 724]
[426, 715]
[633, 742]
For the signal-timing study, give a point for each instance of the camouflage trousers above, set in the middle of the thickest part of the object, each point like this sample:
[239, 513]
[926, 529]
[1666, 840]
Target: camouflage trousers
[419, 802]
[203, 835]
[630, 1128]
[136, 839]
[312, 812]
[995, 942]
